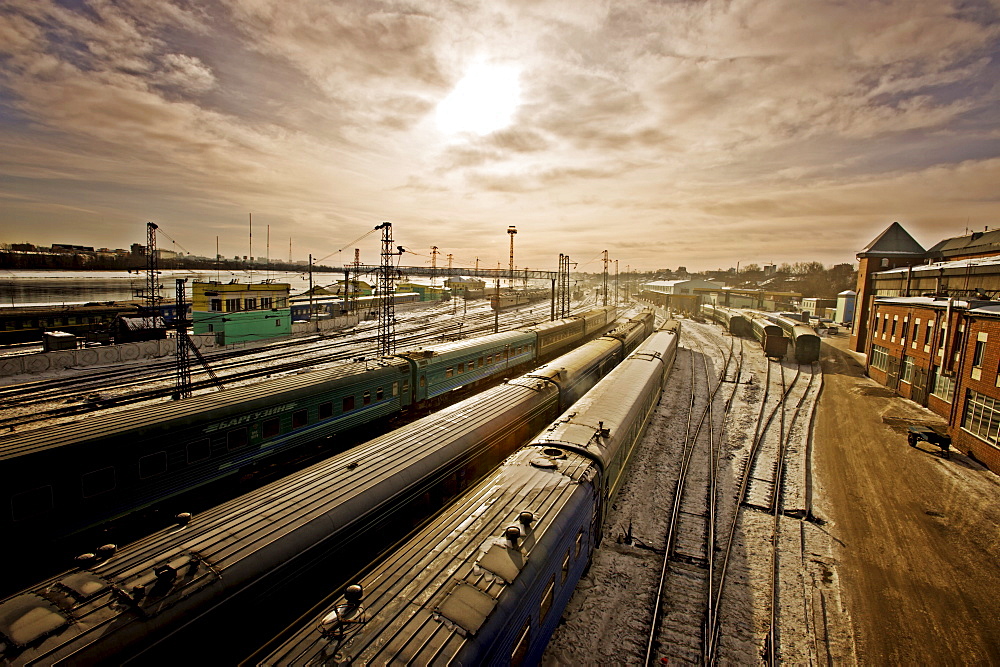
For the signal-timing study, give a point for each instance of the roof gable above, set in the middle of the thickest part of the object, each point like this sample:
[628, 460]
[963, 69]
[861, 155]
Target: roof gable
[893, 241]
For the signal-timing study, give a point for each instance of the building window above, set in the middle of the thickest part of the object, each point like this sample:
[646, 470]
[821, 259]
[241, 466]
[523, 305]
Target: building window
[879, 358]
[199, 450]
[944, 386]
[97, 482]
[250, 304]
[982, 416]
[215, 305]
[277, 323]
[928, 332]
[892, 330]
[270, 428]
[903, 330]
[152, 465]
[906, 369]
[977, 354]
[265, 303]
[232, 305]
[300, 418]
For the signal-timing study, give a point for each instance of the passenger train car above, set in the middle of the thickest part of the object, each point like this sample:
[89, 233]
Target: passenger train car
[333, 306]
[734, 321]
[252, 565]
[802, 338]
[485, 582]
[65, 478]
[771, 337]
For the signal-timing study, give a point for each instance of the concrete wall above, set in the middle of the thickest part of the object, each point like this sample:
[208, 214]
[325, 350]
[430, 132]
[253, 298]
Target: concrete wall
[96, 356]
[325, 324]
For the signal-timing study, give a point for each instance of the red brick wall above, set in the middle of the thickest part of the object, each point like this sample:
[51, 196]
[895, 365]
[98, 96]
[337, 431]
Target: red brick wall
[985, 384]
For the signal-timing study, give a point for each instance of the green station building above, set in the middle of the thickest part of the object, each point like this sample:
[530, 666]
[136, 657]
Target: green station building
[241, 313]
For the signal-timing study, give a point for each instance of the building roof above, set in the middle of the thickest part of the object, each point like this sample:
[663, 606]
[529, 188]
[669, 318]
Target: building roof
[976, 242]
[894, 241]
[946, 266]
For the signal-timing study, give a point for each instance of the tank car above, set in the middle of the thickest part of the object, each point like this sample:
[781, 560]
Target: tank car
[254, 558]
[486, 581]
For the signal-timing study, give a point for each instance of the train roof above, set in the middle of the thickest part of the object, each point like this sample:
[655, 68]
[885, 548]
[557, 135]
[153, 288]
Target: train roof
[459, 347]
[162, 414]
[436, 596]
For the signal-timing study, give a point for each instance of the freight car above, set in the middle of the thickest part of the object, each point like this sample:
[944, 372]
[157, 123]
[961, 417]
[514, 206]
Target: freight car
[485, 582]
[771, 337]
[260, 558]
[801, 337]
[734, 321]
[65, 478]
[28, 324]
[517, 298]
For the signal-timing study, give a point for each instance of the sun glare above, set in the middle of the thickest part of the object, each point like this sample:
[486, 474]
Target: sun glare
[483, 101]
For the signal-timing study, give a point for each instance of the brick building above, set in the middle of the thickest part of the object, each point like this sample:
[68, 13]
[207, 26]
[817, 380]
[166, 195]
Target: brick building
[931, 331]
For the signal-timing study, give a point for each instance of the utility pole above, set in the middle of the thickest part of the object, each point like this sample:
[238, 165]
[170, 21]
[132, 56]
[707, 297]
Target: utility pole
[511, 230]
[387, 293]
[628, 273]
[152, 281]
[311, 288]
[606, 260]
[616, 282]
[496, 307]
[434, 263]
[183, 375]
[354, 287]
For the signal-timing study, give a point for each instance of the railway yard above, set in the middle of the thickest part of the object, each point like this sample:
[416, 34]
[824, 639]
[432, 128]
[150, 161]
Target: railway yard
[762, 518]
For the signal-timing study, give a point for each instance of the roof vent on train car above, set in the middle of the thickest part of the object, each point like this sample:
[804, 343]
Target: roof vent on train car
[513, 534]
[183, 519]
[526, 519]
[85, 560]
[106, 551]
[345, 617]
[601, 431]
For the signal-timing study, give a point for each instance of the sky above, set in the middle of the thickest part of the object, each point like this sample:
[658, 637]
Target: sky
[672, 133]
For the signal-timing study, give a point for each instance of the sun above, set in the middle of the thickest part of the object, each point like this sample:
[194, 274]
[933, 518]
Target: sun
[484, 101]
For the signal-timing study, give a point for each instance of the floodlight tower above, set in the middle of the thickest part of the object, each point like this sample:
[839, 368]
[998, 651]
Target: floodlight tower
[511, 230]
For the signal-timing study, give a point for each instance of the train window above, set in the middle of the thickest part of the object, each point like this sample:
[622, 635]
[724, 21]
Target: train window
[480, 362]
[543, 608]
[29, 504]
[406, 386]
[97, 482]
[423, 381]
[326, 410]
[448, 372]
[461, 368]
[521, 648]
[366, 397]
[270, 427]
[579, 544]
[300, 418]
[199, 450]
[237, 438]
[379, 394]
[565, 568]
[348, 403]
[152, 465]
[395, 389]
[489, 359]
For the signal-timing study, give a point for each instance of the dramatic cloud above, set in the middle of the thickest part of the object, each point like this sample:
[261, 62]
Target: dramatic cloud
[670, 133]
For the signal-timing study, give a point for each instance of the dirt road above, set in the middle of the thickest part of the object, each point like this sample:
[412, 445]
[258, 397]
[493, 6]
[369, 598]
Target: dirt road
[918, 535]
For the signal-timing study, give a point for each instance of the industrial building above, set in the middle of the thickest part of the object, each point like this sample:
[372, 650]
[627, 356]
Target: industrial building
[239, 313]
[928, 322]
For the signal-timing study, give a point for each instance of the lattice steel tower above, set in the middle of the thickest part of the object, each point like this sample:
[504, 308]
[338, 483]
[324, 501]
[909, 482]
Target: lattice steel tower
[152, 283]
[387, 291]
[182, 385]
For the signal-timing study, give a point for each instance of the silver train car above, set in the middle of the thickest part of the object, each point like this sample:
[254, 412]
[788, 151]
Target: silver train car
[734, 321]
[255, 561]
[486, 581]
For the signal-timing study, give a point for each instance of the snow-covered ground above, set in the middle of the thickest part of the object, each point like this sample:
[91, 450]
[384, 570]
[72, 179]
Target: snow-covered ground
[609, 617]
